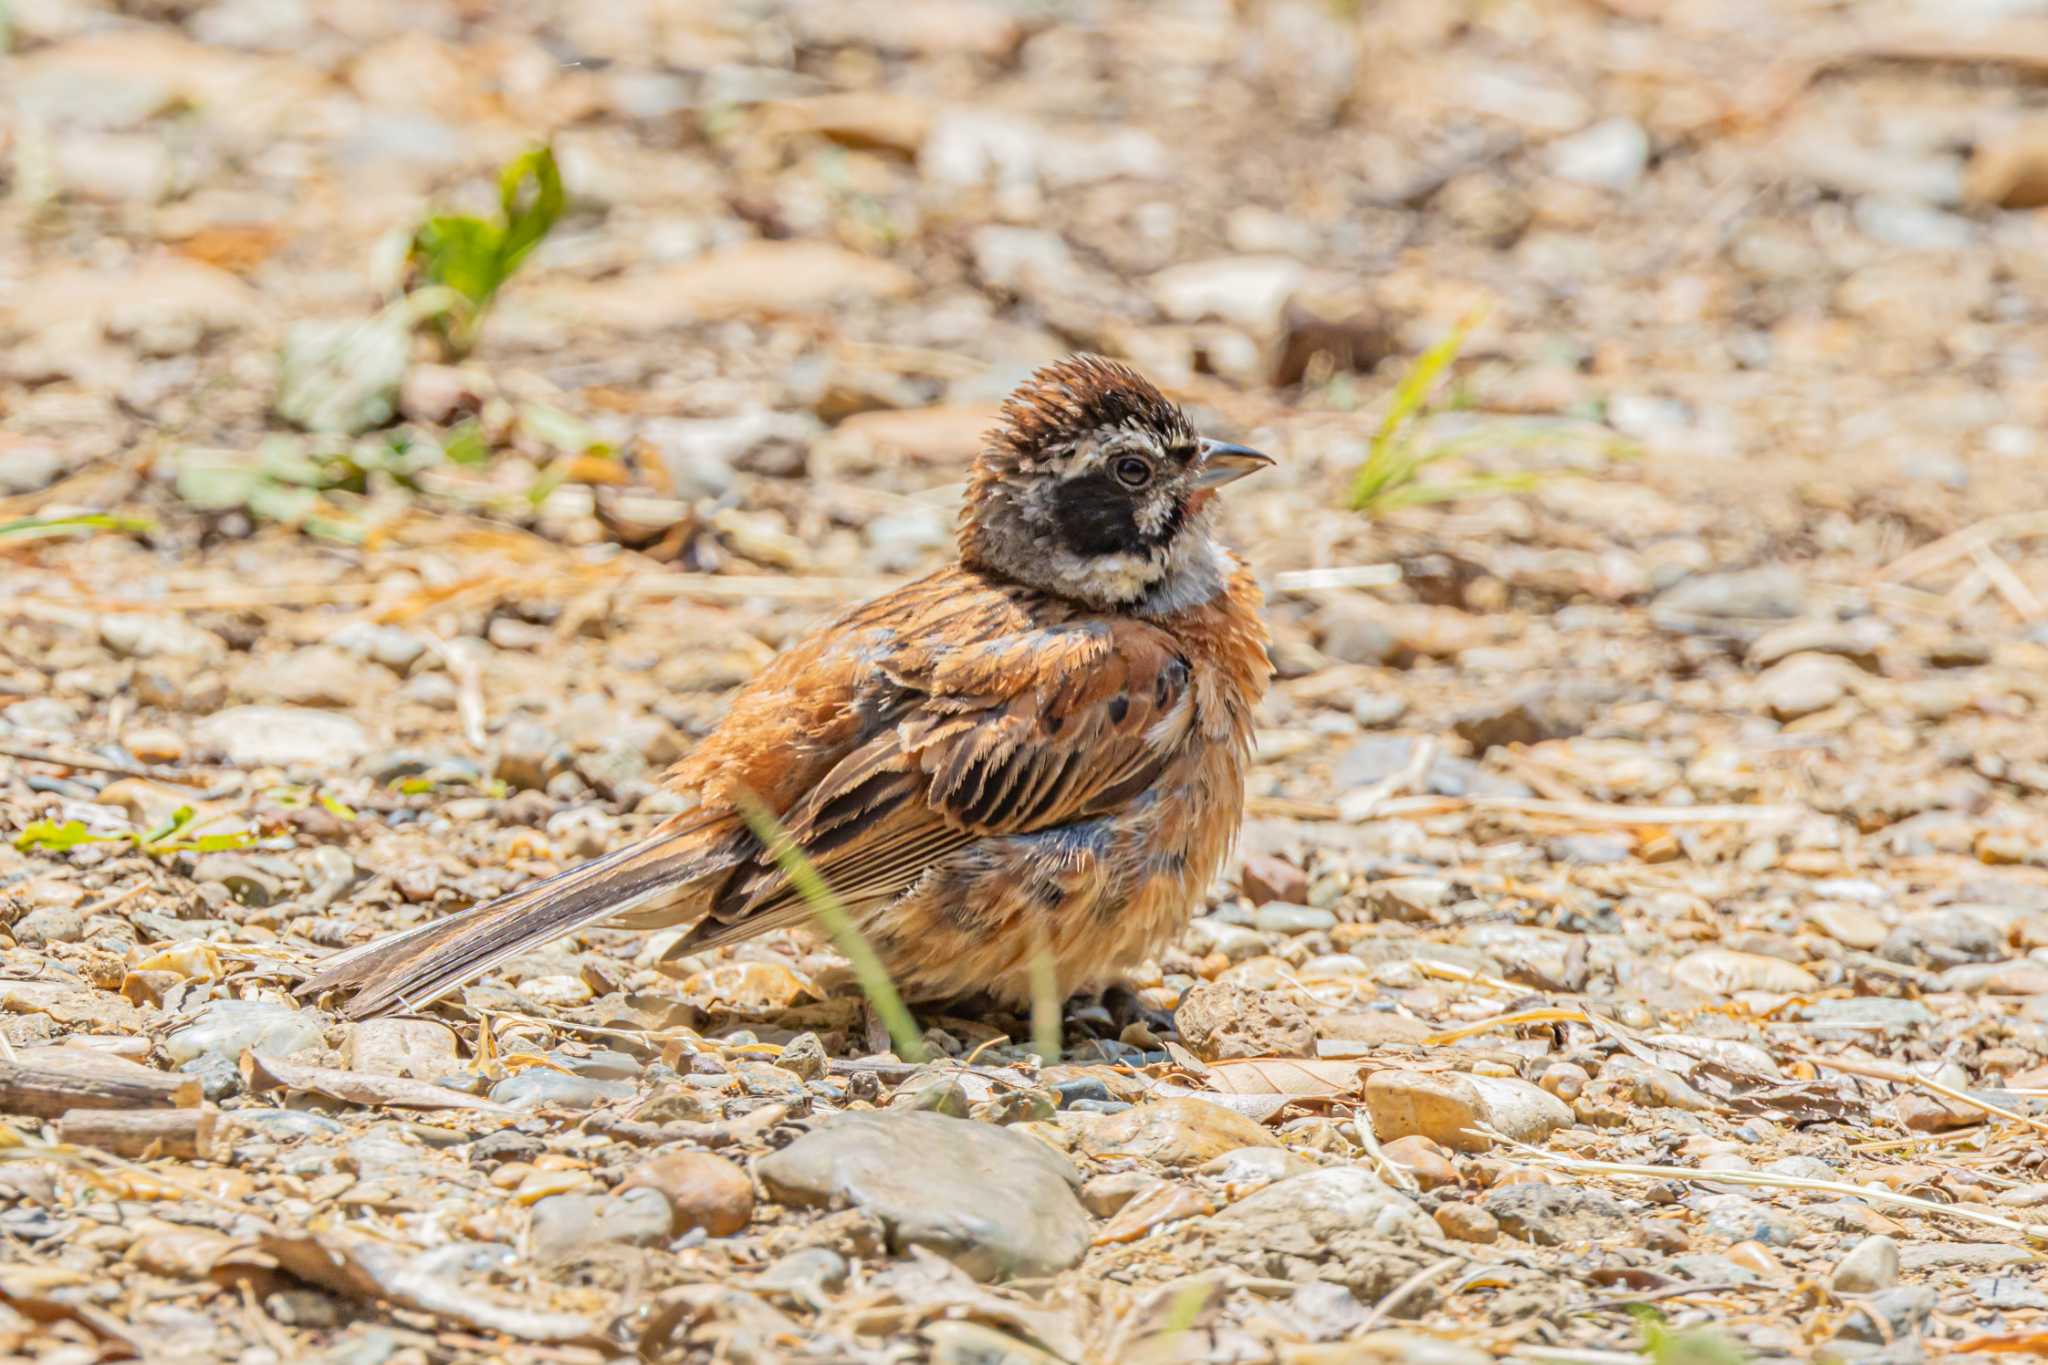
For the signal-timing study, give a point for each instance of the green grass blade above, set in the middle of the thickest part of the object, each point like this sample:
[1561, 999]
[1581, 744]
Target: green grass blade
[830, 912]
[31, 527]
[1045, 1004]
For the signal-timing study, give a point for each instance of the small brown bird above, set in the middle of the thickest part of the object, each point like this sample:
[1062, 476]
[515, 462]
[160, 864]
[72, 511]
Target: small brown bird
[1040, 747]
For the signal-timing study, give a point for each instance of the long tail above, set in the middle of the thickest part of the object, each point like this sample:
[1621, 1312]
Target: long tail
[664, 878]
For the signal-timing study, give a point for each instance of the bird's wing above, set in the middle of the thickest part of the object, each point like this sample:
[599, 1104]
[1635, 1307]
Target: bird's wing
[972, 732]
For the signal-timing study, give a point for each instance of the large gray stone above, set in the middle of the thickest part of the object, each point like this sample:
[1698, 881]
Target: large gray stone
[995, 1202]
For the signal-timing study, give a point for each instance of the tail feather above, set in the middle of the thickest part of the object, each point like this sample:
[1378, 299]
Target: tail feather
[667, 875]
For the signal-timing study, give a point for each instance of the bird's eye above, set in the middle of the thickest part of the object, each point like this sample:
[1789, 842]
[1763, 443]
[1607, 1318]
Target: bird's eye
[1133, 472]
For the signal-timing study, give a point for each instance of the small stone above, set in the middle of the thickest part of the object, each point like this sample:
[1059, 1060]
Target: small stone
[1423, 1159]
[1377, 710]
[1802, 685]
[1610, 155]
[804, 1056]
[540, 1085]
[285, 737]
[50, 924]
[219, 1076]
[1341, 1224]
[1467, 1223]
[705, 1191]
[1724, 972]
[1890, 1315]
[1871, 1265]
[232, 1027]
[1103, 1195]
[1277, 917]
[1550, 1215]
[1739, 1218]
[1564, 1080]
[1219, 1021]
[527, 754]
[1448, 1108]
[1922, 1256]
[149, 745]
[1774, 593]
[420, 1048]
[1180, 1131]
[1266, 878]
[140, 635]
[992, 1200]
[505, 1145]
[564, 1224]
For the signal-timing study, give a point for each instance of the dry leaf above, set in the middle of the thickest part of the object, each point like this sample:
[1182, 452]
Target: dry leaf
[360, 1087]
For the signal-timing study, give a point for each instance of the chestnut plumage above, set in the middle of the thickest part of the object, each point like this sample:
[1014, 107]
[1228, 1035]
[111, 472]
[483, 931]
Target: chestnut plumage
[1040, 747]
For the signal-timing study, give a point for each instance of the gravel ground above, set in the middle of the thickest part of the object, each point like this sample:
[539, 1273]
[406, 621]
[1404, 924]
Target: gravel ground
[1645, 895]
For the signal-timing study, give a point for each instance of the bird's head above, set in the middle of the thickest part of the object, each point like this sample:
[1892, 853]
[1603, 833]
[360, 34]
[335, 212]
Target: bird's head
[1095, 487]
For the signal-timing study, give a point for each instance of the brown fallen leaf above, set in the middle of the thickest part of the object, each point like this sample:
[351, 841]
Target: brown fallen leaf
[363, 1268]
[1164, 1203]
[1295, 1077]
[359, 1087]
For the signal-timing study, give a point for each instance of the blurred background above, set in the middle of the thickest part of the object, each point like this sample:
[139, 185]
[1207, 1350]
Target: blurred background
[417, 416]
[1594, 337]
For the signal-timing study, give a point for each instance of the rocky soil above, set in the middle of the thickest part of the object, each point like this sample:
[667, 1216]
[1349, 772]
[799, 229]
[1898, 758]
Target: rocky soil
[1639, 943]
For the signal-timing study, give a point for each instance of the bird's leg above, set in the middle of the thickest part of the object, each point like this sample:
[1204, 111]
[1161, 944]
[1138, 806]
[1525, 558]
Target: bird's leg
[1126, 1009]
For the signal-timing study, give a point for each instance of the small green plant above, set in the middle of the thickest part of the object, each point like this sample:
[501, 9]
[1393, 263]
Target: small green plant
[1391, 476]
[50, 836]
[33, 528]
[1689, 1346]
[473, 258]
[830, 912]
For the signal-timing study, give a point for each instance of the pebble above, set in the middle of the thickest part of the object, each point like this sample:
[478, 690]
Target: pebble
[149, 745]
[804, 1057]
[1423, 1159]
[992, 1200]
[1919, 1256]
[1218, 1021]
[1738, 1218]
[1886, 1317]
[231, 1027]
[284, 737]
[219, 1076]
[421, 1048]
[703, 1190]
[1341, 1224]
[1549, 1215]
[1266, 878]
[1448, 1107]
[1103, 1195]
[1610, 155]
[1725, 972]
[1179, 1131]
[564, 1224]
[1252, 1168]
[1773, 593]
[1277, 917]
[142, 635]
[540, 1085]
[1871, 1265]
[1463, 1222]
[1803, 685]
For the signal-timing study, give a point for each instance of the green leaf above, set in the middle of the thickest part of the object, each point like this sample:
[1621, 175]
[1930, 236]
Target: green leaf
[52, 837]
[30, 527]
[531, 197]
[465, 445]
[336, 808]
[180, 818]
[462, 253]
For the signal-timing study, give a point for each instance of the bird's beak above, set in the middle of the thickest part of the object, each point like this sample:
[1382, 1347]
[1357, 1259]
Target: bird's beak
[1224, 463]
